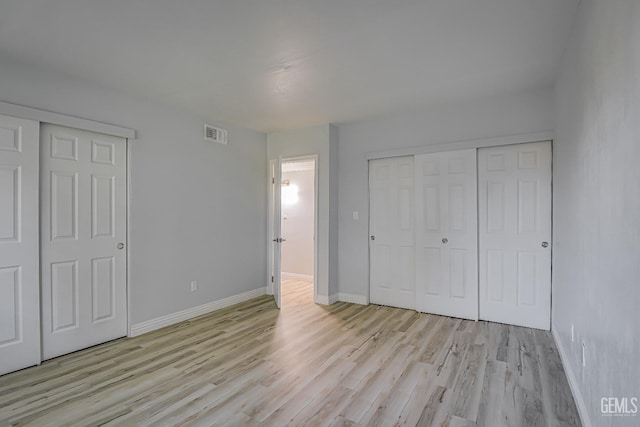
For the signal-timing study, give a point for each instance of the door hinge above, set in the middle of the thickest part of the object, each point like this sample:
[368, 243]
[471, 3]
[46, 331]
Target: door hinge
[273, 180]
[271, 279]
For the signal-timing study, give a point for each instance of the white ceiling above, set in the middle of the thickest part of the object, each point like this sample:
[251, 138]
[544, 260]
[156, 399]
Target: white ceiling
[279, 64]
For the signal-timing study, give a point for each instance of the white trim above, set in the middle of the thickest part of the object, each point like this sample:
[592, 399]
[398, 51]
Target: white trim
[327, 300]
[270, 213]
[180, 316]
[128, 237]
[322, 300]
[546, 135]
[296, 276]
[353, 298]
[64, 120]
[573, 381]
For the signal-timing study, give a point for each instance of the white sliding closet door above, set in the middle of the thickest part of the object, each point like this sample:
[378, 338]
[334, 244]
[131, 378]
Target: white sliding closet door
[446, 233]
[515, 234]
[83, 239]
[391, 232]
[19, 268]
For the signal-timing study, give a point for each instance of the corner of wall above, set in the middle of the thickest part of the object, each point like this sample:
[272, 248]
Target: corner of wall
[334, 178]
[572, 379]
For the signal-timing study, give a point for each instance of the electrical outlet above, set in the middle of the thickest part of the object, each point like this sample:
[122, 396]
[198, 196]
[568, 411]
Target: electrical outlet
[573, 335]
[194, 286]
[584, 360]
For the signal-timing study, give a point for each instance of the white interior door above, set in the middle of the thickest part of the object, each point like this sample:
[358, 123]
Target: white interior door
[515, 233]
[446, 233]
[391, 232]
[276, 227]
[83, 200]
[19, 266]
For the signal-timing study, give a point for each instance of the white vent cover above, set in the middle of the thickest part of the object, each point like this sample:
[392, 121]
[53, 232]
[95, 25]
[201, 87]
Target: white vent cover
[212, 133]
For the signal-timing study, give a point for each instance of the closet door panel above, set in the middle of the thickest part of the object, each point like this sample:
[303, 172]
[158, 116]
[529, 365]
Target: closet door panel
[19, 235]
[391, 229]
[446, 233]
[515, 234]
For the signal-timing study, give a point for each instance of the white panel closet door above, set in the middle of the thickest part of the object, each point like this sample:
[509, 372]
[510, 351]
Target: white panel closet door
[446, 233]
[83, 199]
[391, 232]
[19, 266]
[515, 234]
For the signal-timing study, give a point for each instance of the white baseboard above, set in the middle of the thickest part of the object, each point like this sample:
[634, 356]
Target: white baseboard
[322, 299]
[573, 381]
[190, 313]
[296, 276]
[353, 298]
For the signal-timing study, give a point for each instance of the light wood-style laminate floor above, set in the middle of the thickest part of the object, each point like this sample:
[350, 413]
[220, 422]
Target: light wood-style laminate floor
[345, 364]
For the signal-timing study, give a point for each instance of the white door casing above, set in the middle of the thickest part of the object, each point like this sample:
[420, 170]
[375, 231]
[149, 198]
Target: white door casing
[391, 232]
[19, 255]
[276, 227]
[515, 234]
[83, 238]
[446, 233]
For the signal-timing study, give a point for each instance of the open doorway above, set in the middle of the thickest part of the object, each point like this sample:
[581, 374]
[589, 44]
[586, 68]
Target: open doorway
[298, 226]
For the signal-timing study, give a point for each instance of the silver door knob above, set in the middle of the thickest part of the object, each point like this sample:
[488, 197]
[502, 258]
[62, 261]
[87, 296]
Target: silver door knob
[120, 245]
[545, 244]
[373, 237]
[445, 240]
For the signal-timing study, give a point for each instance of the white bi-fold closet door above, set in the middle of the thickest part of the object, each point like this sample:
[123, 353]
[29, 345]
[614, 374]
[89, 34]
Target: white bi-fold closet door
[63, 256]
[446, 234]
[515, 234]
[83, 235]
[19, 268]
[392, 232]
[423, 238]
[467, 237]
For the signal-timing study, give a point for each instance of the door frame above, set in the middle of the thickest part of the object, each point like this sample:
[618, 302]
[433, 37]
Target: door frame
[127, 244]
[271, 213]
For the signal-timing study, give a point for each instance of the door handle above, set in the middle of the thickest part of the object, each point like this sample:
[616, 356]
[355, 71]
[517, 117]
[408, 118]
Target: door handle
[445, 240]
[373, 237]
[279, 240]
[120, 245]
[545, 244]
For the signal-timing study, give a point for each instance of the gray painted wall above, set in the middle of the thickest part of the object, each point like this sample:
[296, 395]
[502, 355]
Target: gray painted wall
[596, 252]
[197, 209]
[483, 118]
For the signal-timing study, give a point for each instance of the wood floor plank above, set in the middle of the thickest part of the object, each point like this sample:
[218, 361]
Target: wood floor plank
[306, 364]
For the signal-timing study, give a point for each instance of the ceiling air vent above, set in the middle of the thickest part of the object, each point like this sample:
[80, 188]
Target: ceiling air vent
[214, 134]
